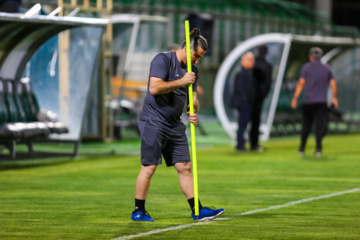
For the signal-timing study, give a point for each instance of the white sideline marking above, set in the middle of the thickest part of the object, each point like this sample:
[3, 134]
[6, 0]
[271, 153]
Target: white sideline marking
[237, 215]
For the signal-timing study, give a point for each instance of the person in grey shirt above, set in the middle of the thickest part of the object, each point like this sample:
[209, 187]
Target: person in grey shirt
[161, 129]
[315, 79]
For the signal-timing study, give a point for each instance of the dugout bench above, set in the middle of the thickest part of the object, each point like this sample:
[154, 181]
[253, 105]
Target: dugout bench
[19, 117]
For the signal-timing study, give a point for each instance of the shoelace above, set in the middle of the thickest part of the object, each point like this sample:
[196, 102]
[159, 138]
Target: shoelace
[210, 208]
[145, 214]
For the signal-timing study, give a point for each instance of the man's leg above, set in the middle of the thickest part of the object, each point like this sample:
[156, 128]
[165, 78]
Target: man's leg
[320, 120]
[187, 183]
[151, 144]
[142, 189]
[185, 178]
[243, 120]
[187, 186]
[143, 181]
[255, 124]
[240, 142]
[308, 118]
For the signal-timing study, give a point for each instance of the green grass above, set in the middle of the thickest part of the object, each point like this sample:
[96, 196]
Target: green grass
[91, 197]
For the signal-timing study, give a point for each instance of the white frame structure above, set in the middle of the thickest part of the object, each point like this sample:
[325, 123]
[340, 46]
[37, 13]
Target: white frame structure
[339, 44]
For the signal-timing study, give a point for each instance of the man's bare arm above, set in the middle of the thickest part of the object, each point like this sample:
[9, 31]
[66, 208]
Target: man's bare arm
[196, 102]
[334, 100]
[158, 86]
[298, 90]
[193, 117]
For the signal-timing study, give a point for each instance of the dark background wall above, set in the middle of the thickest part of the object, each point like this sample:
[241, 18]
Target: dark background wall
[341, 12]
[346, 12]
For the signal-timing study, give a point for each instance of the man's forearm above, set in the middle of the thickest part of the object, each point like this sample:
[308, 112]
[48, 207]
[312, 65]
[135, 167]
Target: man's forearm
[333, 88]
[334, 100]
[195, 102]
[298, 91]
[196, 105]
[299, 88]
[159, 86]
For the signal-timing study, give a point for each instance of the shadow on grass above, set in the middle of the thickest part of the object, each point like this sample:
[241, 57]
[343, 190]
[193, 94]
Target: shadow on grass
[243, 153]
[31, 163]
[322, 158]
[26, 161]
[40, 160]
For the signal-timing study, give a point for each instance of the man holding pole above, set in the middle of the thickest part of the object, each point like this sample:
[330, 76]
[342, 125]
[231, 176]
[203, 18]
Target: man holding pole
[161, 129]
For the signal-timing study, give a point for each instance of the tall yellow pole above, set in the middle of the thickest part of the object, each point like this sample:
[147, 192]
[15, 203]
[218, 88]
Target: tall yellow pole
[192, 126]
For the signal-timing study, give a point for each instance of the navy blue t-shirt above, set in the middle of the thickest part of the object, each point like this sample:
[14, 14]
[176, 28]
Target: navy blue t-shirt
[166, 109]
[317, 77]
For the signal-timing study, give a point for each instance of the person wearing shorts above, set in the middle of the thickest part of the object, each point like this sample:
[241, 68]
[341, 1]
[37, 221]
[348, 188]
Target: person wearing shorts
[161, 129]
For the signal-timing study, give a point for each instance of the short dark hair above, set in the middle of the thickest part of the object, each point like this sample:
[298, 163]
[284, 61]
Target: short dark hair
[196, 40]
[263, 50]
[316, 52]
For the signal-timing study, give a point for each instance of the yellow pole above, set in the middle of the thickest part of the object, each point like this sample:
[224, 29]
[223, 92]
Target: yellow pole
[192, 126]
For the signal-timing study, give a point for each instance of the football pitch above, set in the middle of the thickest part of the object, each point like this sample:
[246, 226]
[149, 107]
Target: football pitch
[275, 194]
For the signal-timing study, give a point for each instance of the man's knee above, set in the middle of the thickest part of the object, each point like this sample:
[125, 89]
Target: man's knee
[183, 167]
[148, 170]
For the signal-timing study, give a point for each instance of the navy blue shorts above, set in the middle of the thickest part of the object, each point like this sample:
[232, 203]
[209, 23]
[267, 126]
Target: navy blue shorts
[157, 141]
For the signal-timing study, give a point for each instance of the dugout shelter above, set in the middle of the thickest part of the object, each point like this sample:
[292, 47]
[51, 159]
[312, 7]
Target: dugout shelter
[23, 96]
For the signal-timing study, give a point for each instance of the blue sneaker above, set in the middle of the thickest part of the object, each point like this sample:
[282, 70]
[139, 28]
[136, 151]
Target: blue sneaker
[208, 213]
[141, 216]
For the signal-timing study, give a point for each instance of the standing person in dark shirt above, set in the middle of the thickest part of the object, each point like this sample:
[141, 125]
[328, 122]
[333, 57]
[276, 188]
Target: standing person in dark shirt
[315, 79]
[262, 75]
[243, 96]
[162, 131]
